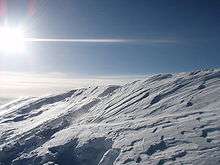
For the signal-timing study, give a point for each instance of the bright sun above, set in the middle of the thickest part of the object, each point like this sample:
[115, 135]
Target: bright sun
[12, 40]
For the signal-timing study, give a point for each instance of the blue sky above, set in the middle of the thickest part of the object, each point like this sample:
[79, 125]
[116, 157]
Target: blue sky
[193, 25]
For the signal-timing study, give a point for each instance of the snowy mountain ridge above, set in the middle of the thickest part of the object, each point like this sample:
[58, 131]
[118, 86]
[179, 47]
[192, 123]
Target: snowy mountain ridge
[163, 119]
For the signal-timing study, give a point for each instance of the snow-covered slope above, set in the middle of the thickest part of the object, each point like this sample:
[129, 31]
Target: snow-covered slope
[163, 119]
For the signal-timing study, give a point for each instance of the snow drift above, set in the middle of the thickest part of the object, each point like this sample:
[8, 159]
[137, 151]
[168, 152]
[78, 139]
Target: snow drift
[163, 119]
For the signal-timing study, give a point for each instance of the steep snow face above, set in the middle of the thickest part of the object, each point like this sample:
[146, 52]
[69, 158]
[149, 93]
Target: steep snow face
[163, 119]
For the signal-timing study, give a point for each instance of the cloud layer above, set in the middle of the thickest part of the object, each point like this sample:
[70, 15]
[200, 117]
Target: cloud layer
[14, 85]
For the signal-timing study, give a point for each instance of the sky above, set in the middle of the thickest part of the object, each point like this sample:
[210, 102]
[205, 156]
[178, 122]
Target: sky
[192, 26]
[155, 36]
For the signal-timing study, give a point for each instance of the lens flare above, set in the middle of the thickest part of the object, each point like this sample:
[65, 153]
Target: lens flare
[12, 40]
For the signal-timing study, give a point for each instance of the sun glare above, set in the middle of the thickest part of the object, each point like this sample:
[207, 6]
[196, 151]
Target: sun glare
[12, 40]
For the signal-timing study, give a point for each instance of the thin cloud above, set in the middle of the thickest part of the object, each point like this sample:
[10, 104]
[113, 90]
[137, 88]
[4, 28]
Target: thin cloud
[107, 40]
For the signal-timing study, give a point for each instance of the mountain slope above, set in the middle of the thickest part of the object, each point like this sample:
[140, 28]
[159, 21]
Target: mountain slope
[163, 119]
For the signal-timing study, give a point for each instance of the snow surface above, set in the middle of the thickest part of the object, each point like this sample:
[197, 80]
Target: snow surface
[163, 119]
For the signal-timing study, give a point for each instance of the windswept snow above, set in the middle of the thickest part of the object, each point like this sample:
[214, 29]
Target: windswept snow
[163, 119]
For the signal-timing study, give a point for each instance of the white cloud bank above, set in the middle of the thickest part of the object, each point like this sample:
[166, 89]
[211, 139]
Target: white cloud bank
[14, 85]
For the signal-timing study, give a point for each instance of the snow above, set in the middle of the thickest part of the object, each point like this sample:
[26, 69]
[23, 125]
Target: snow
[162, 119]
